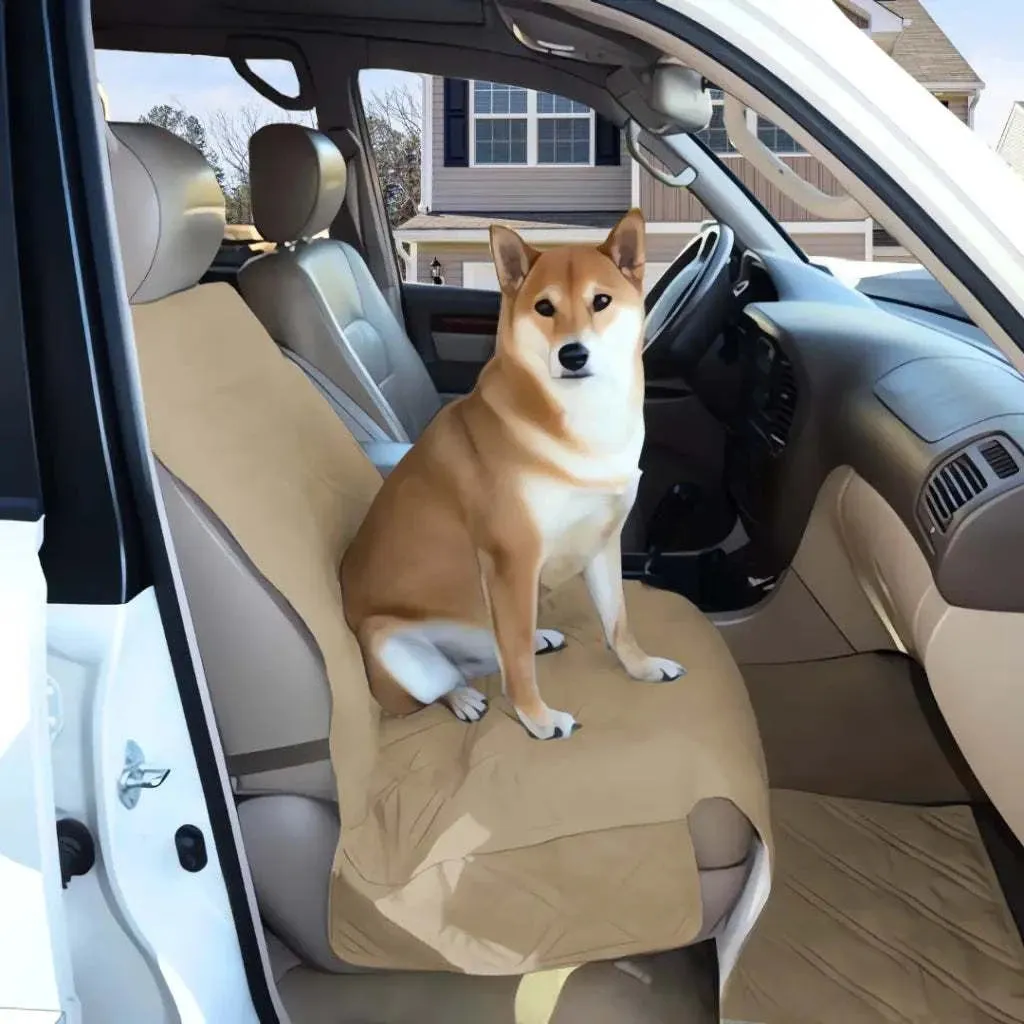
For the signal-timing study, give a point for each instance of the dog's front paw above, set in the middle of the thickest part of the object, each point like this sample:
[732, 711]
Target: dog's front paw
[547, 641]
[658, 670]
[467, 704]
[552, 725]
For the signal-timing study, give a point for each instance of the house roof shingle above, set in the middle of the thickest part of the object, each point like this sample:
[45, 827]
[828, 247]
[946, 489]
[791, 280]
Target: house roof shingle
[924, 50]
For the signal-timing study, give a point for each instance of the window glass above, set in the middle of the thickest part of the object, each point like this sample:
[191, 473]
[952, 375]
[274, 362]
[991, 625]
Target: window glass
[501, 141]
[393, 104]
[563, 140]
[549, 103]
[514, 126]
[204, 101]
[494, 98]
[715, 137]
[777, 139]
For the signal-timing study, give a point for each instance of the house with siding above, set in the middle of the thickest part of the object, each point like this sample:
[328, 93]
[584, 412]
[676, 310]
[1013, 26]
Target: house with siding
[559, 173]
[1011, 142]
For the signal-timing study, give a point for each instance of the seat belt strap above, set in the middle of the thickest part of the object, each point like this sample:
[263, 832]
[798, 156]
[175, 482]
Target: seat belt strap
[538, 993]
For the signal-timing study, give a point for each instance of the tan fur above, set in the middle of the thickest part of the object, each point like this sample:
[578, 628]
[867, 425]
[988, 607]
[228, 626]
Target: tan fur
[465, 529]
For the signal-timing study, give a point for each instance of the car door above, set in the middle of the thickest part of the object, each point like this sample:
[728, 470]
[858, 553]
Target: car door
[35, 965]
[454, 331]
[120, 869]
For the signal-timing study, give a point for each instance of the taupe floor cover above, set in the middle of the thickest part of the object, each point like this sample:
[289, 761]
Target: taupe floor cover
[879, 914]
[470, 848]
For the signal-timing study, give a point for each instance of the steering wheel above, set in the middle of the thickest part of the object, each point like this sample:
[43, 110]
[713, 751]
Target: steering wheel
[685, 308]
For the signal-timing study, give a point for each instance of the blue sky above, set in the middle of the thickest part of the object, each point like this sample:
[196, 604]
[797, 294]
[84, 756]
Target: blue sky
[989, 33]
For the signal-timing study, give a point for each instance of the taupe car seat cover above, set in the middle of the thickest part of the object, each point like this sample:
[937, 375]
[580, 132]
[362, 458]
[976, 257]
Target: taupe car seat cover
[469, 848]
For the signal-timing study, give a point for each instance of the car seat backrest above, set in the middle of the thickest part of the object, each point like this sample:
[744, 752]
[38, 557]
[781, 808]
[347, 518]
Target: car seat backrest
[263, 483]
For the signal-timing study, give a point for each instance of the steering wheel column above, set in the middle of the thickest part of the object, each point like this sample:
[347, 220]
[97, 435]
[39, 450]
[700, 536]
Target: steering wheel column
[685, 309]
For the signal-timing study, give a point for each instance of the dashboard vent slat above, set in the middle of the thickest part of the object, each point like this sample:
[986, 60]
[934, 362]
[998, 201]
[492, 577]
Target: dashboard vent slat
[781, 406]
[1002, 462]
[953, 486]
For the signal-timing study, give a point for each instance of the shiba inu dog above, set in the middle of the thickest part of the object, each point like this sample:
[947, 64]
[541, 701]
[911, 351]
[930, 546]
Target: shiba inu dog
[522, 484]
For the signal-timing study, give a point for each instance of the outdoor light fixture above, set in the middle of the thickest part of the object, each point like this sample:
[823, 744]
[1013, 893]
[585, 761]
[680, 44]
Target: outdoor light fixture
[435, 271]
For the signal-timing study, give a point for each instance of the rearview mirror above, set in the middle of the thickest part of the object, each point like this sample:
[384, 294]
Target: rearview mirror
[679, 94]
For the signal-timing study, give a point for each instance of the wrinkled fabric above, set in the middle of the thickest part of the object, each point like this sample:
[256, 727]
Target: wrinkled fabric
[879, 913]
[463, 847]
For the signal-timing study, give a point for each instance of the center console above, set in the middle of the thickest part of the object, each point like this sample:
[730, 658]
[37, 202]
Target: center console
[762, 425]
[755, 395]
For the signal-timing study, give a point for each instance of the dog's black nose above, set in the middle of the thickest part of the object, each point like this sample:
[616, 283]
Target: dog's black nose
[573, 356]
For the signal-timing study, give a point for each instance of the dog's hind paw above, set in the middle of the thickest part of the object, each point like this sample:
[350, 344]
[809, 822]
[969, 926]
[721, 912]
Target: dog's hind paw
[557, 725]
[659, 670]
[467, 704]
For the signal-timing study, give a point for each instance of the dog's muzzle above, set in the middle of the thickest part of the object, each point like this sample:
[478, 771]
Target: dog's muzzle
[573, 357]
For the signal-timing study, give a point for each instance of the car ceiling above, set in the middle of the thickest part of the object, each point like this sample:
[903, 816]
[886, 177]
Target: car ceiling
[468, 38]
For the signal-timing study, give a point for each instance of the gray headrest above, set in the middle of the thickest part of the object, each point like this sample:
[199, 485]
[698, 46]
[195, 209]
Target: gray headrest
[297, 176]
[169, 209]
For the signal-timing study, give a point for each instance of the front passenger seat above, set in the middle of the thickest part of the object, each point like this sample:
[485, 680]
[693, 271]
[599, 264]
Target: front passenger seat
[315, 296]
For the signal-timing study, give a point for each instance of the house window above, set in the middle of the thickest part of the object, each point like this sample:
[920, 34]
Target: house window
[564, 128]
[715, 137]
[777, 139]
[500, 119]
[513, 126]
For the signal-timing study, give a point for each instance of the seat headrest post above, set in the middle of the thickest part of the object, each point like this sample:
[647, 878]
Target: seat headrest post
[297, 176]
[169, 209]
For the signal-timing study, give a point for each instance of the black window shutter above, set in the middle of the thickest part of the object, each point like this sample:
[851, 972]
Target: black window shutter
[456, 122]
[607, 140]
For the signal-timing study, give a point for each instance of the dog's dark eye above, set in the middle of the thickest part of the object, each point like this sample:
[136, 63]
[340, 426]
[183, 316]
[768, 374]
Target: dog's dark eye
[601, 301]
[545, 307]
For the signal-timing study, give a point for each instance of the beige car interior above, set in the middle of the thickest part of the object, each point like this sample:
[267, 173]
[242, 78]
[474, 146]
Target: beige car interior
[317, 298]
[259, 503]
[855, 734]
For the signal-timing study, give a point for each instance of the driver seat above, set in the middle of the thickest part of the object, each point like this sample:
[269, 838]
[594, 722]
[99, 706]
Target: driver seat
[316, 297]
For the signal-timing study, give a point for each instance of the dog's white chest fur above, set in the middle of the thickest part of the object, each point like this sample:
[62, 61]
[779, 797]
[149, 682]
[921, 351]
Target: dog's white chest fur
[574, 522]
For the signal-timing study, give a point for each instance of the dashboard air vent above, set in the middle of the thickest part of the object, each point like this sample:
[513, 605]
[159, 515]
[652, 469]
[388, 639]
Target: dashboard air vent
[781, 406]
[952, 487]
[1002, 462]
[776, 396]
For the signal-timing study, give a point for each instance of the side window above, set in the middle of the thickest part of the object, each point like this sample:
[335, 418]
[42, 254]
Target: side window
[456, 155]
[203, 100]
[716, 138]
[777, 139]
[393, 105]
[515, 127]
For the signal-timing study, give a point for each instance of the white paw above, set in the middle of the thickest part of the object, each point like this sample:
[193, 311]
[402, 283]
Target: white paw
[558, 725]
[659, 670]
[545, 641]
[467, 704]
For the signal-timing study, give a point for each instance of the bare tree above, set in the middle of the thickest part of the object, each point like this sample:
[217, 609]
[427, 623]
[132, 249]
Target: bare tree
[188, 127]
[229, 132]
[394, 120]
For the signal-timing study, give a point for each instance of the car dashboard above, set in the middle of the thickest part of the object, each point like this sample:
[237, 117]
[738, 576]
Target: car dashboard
[829, 379]
[881, 462]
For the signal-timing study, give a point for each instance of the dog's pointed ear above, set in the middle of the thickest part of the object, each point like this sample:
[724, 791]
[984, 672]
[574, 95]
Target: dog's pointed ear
[625, 247]
[512, 258]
